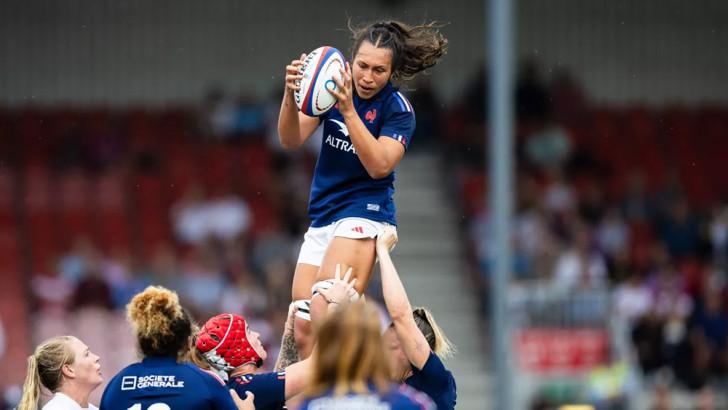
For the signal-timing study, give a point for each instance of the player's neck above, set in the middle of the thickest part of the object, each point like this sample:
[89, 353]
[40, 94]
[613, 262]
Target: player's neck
[249, 368]
[76, 393]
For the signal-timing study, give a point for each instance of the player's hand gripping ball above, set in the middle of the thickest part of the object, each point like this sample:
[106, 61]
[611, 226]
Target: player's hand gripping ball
[318, 70]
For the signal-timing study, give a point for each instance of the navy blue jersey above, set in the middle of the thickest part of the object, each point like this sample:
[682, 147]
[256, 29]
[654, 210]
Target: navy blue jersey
[435, 380]
[269, 389]
[160, 383]
[341, 186]
[397, 398]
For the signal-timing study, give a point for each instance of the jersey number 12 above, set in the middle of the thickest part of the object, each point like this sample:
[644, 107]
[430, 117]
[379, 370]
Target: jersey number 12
[155, 406]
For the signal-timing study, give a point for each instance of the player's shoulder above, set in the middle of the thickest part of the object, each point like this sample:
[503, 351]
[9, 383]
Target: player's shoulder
[396, 101]
[204, 376]
[130, 370]
[254, 378]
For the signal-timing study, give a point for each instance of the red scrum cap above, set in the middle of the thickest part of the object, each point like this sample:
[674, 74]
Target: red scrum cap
[224, 343]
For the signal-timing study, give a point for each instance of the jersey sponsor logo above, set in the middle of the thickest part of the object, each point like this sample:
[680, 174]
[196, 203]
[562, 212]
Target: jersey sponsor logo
[342, 127]
[128, 383]
[358, 229]
[373, 207]
[143, 382]
[340, 143]
[371, 115]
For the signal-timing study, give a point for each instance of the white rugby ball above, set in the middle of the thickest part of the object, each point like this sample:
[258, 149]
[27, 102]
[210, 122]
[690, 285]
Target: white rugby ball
[318, 69]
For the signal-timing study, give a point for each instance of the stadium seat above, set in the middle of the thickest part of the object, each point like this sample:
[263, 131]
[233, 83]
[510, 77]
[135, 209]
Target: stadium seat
[111, 211]
[72, 190]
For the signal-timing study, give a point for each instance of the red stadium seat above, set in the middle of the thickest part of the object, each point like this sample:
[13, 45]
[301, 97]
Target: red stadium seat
[72, 191]
[7, 196]
[38, 208]
[150, 193]
[253, 168]
[217, 166]
[111, 211]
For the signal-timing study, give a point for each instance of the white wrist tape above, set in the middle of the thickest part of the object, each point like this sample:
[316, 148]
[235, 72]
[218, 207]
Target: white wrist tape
[327, 284]
[304, 309]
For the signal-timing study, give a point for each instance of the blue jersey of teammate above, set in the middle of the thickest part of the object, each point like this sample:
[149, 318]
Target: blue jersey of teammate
[269, 389]
[397, 398]
[435, 380]
[160, 383]
[341, 186]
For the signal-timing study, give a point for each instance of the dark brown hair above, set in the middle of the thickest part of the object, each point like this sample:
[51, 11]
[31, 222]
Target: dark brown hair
[414, 48]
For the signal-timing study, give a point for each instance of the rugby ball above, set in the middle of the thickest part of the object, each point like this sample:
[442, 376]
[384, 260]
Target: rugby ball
[318, 70]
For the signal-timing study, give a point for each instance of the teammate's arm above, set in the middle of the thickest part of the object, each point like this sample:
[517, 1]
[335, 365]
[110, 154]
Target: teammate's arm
[379, 156]
[413, 341]
[294, 128]
[289, 352]
[298, 376]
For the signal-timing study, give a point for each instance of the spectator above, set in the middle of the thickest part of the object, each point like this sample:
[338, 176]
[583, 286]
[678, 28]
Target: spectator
[679, 230]
[217, 114]
[636, 204]
[559, 196]
[580, 265]
[632, 300]
[613, 233]
[719, 236]
[197, 219]
[549, 147]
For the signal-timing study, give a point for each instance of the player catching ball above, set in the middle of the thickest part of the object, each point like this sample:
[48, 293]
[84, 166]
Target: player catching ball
[364, 137]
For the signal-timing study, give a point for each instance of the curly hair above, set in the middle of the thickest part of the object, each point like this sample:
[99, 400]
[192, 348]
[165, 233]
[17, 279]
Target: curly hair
[414, 48]
[162, 326]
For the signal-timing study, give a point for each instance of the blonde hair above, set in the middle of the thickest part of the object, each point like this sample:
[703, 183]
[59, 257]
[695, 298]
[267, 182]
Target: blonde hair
[349, 353]
[193, 355]
[44, 369]
[162, 326]
[436, 338]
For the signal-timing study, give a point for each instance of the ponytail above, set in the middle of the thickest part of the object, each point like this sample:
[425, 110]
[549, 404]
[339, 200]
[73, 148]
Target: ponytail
[436, 338]
[31, 387]
[44, 369]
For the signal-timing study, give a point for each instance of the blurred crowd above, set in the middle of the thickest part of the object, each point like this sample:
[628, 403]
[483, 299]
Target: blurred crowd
[626, 201]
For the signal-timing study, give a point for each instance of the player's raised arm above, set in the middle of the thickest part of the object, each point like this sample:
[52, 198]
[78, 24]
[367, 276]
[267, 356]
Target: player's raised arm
[294, 128]
[413, 341]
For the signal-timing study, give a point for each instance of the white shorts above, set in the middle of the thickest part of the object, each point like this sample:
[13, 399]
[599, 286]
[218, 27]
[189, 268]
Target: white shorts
[316, 240]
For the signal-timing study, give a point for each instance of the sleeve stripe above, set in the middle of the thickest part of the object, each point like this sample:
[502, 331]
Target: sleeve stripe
[403, 103]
